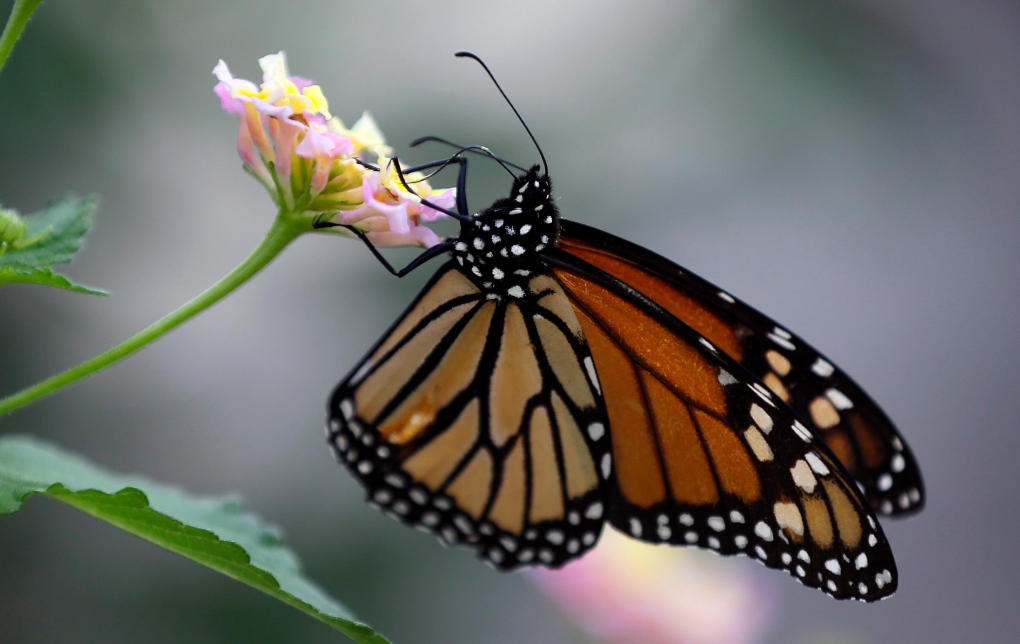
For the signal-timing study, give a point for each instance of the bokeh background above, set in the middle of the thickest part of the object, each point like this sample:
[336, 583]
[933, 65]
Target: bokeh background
[850, 167]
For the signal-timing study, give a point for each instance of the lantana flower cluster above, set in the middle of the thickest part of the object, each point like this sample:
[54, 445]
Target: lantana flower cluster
[313, 165]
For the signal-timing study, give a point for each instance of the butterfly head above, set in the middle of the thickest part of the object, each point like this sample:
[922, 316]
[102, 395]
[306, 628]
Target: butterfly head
[501, 246]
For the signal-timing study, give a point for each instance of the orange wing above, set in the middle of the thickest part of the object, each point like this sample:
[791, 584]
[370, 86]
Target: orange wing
[478, 419]
[705, 455]
[830, 403]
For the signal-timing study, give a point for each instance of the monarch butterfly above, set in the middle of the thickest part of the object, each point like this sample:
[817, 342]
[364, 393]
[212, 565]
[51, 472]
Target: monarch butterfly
[551, 377]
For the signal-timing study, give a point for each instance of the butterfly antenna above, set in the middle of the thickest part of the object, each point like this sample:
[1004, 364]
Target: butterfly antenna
[475, 149]
[467, 54]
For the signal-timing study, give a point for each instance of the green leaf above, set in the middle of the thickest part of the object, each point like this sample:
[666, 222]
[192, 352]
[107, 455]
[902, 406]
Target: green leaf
[53, 236]
[45, 277]
[215, 532]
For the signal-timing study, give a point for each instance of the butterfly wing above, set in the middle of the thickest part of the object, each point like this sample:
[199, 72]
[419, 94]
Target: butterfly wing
[475, 418]
[705, 455]
[852, 425]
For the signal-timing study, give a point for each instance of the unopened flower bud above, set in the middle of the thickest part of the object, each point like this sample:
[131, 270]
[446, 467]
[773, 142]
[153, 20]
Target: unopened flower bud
[12, 226]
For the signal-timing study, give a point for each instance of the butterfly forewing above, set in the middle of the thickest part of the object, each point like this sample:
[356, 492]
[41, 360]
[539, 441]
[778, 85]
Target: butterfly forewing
[705, 455]
[830, 403]
[479, 419]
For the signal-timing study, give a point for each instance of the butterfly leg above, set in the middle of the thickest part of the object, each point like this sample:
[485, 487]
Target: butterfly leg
[429, 253]
[462, 209]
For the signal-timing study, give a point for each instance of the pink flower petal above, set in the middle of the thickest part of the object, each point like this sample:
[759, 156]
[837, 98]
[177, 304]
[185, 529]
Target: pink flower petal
[327, 145]
[228, 86]
[285, 133]
[425, 236]
[273, 111]
[301, 82]
[250, 156]
[228, 102]
[447, 199]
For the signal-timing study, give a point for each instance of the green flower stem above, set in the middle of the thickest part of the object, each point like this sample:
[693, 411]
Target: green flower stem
[285, 229]
[16, 23]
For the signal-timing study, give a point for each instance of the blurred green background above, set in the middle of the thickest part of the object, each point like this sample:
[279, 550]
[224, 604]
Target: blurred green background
[849, 167]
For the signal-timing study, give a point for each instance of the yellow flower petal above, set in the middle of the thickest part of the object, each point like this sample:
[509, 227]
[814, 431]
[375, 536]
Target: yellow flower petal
[318, 101]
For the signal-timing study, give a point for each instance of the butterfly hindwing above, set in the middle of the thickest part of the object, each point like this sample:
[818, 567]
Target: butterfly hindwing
[705, 455]
[852, 425]
[479, 419]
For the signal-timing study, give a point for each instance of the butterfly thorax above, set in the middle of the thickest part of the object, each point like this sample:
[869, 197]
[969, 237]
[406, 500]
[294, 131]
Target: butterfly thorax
[500, 247]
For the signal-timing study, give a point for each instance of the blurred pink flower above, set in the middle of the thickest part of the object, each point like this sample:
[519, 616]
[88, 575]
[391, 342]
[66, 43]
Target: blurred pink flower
[629, 591]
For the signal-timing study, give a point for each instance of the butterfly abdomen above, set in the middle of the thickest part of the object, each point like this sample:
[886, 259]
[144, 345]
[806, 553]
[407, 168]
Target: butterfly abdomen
[500, 248]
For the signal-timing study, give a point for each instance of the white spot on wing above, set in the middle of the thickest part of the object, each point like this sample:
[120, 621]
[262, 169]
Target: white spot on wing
[884, 482]
[589, 366]
[803, 477]
[833, 566]
[823, 368]
[801, 431]
[362, 370]
[816, 463]
[761, 418]
[347, 409]
[635, 527]
[763, 393]
[781, 341]
[838, 398]
[897, 463]
[463, 524]
[763, 530]
[883, 578]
